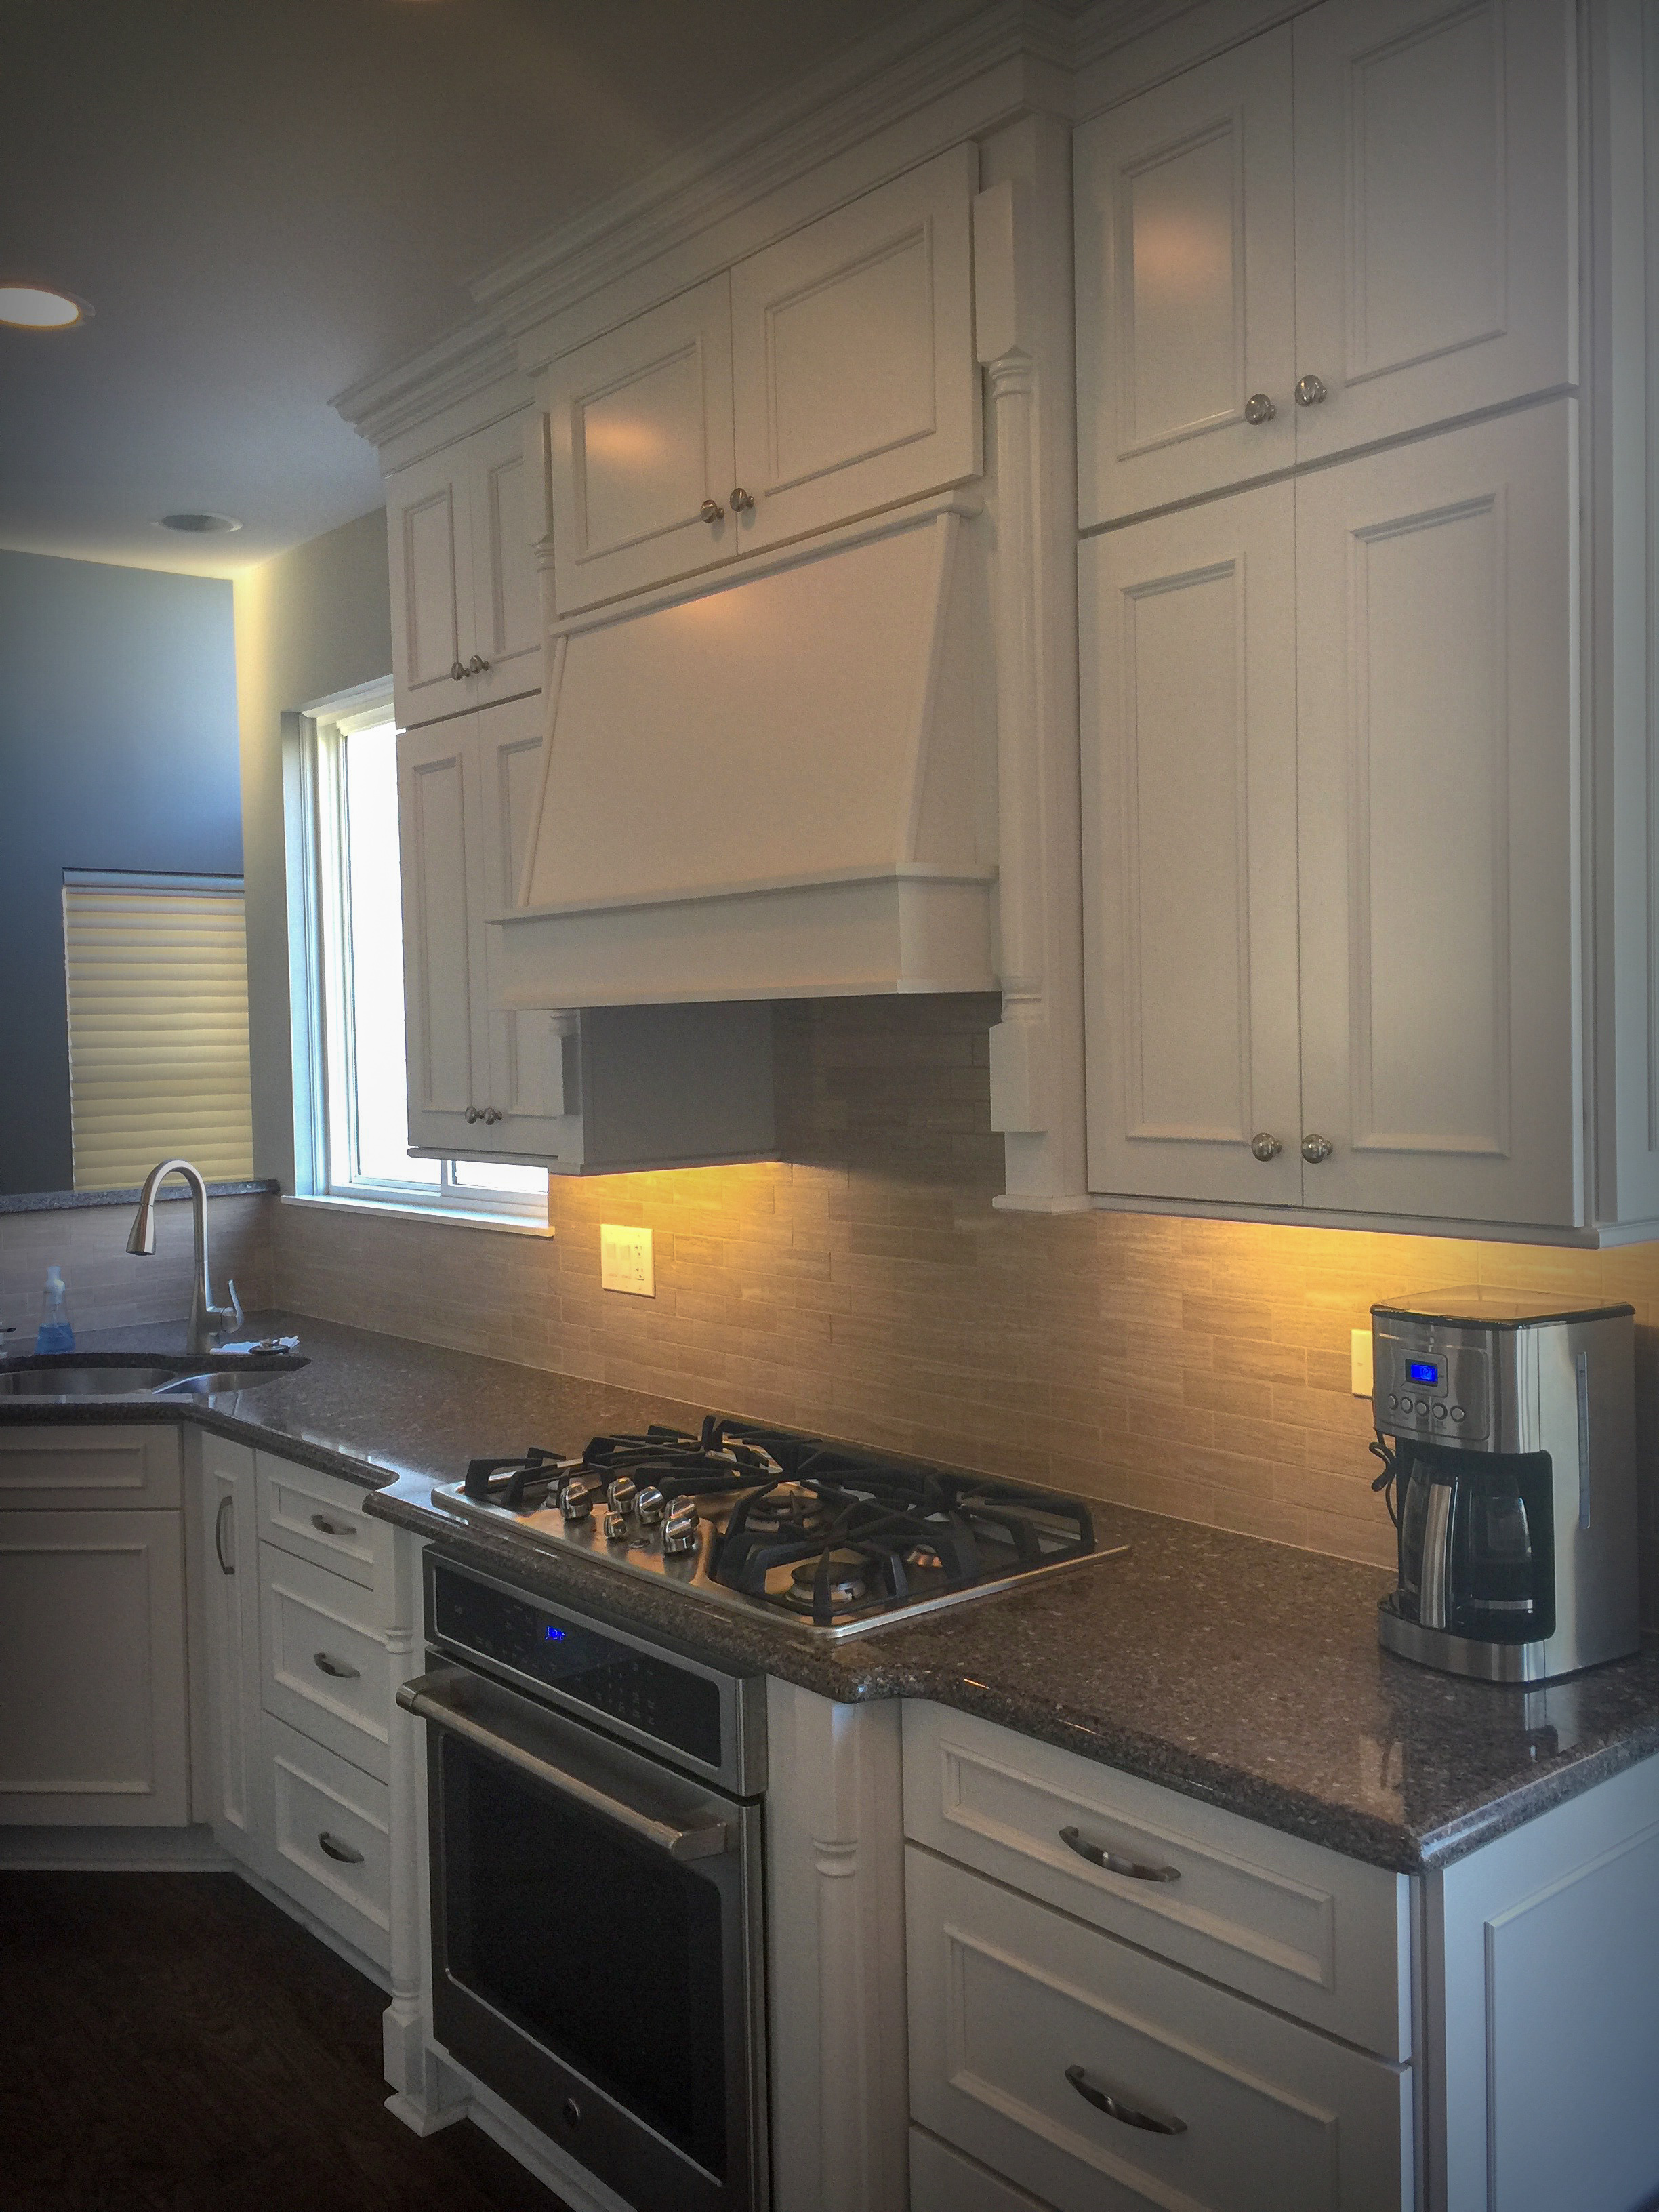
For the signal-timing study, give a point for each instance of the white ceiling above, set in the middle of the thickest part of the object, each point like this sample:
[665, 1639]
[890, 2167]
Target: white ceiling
[266, 200]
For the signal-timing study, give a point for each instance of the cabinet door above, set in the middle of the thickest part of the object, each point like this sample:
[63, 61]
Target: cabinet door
[93, 1724]
[853, 358]
[1437, 713]
[534, 1081]
[1188, 649]
[229, 1553]
[441, 844]
[639, 426]
[1435, 212]
[505, 469]
[1185, 289]
[430, 544]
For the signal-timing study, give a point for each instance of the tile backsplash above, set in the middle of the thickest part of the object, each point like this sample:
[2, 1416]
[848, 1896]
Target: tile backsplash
[866, 1287]
[108, 1287]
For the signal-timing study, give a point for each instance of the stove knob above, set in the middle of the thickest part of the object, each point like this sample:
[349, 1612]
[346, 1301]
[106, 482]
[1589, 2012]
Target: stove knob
[679, 1530]
[616, 1528]
[578, 1501]
[622, 1494]
[651, 1505]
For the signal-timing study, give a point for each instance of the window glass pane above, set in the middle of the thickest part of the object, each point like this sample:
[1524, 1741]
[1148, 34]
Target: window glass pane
[484, 1175]
[376, 937]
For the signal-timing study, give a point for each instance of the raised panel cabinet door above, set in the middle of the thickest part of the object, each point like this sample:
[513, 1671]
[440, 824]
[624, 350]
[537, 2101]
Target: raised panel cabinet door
[505, 473]
[639, 426]
[1437, 713]
[228, 1550]
[534, 1058]
[1186, 337]
[430, 546]
[95, 1726]
[853, 360]
[1187, 631]
[439, 845]
[1436, 212]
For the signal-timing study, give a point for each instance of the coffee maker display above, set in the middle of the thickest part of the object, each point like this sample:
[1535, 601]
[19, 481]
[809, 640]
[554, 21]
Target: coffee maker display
[1506, 1426]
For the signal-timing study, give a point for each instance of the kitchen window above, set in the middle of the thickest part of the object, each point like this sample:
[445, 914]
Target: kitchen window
[346, 926]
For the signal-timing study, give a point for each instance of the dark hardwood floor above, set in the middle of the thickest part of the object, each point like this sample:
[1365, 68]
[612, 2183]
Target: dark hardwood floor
[173, 2042]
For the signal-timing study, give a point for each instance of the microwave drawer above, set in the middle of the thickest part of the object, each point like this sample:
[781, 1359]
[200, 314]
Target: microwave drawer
[325, 1670]
[1100, 2079]
[1301, 1928]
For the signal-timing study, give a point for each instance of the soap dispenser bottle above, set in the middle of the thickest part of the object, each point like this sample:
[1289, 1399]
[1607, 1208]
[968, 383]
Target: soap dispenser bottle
[55, 1333]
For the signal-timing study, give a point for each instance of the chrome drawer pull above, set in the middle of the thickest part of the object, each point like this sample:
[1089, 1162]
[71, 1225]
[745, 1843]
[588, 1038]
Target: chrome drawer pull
[1097, 1855]
[1133, 2116]
[332, 1528]
[338, 1667]
[337, 1849]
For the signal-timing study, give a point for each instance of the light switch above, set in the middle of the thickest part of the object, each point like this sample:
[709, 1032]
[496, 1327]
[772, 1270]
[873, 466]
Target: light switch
[625, 1261]
[1359, 1357]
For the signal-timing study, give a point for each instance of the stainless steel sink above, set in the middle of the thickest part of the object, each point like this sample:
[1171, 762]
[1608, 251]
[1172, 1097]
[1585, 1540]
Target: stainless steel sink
[71, 1375]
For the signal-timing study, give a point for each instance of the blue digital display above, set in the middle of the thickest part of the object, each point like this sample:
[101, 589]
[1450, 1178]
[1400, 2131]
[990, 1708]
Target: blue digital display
[1426, 1371]
[554, 1635]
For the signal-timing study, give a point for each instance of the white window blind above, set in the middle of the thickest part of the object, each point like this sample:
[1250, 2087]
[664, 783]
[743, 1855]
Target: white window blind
[157, 976]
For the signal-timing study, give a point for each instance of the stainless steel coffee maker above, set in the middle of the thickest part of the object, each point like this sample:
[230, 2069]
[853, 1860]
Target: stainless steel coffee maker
[1507, 1428]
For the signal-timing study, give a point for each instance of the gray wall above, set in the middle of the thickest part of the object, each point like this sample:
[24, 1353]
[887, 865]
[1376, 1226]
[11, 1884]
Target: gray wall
[310, 625]
[117, 750]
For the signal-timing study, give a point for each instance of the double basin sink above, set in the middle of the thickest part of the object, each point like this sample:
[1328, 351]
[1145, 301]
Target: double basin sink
[112, 1374]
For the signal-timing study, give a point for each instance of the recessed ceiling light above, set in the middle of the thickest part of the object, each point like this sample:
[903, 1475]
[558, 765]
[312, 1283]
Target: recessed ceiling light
[200, 525]
[33, 307]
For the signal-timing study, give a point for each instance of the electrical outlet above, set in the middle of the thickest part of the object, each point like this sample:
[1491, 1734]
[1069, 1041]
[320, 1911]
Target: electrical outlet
[1359, 1363]
[625, 1261]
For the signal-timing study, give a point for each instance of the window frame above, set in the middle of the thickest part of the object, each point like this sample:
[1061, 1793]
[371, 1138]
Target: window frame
[324, 1069]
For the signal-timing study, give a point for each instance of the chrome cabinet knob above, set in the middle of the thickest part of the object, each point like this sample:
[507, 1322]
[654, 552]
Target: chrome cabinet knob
[741, 500]
[1309, 390]
[712, 511]
[651, 1505]
[1258, 408]
[490, 1115]
[477, 666]
[1264, 1146]
[473, 1115]
[457, 672]
[1315, 1149]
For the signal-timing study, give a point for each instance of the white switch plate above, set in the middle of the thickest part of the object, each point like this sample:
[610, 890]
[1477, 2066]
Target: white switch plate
[625, 1261]
[1359, 1359]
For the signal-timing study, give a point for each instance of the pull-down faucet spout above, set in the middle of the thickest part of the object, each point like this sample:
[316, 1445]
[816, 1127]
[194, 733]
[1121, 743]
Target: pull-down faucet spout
[203, 1312]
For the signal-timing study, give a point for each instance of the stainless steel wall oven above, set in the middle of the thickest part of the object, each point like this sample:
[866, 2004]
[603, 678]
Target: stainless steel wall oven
[594, 1806]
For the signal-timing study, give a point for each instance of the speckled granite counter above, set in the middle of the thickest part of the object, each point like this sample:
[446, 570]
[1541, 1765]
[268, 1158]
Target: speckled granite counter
[1239, 1672]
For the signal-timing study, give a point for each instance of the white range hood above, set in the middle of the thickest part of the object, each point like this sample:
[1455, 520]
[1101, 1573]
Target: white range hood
[778, 785]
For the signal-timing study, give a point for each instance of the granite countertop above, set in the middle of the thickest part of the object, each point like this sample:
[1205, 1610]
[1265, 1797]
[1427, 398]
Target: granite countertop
[1242, 1673]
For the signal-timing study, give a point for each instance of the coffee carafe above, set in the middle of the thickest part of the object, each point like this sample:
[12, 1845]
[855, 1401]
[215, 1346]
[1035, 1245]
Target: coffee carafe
[1506, 1424]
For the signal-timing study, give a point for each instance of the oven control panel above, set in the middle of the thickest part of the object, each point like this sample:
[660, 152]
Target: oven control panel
[657, 1698]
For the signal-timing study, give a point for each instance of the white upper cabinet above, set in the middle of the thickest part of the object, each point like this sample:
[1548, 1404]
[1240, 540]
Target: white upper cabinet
[1436, 212]
[1189, 635]
[439, 821]
[1359, 226]
[466, 615]
[1437, 730]
[853, 357]
[1185, 285]
[826, 377]
[640, 439]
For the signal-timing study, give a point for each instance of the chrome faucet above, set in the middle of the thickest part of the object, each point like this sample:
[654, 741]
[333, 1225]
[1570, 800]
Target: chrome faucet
[203, 1311]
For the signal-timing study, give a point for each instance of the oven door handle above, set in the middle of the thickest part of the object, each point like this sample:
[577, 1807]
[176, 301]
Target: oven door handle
[710, 1840]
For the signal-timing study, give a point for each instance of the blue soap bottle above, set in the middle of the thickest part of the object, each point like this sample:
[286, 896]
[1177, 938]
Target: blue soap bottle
[55, 1333]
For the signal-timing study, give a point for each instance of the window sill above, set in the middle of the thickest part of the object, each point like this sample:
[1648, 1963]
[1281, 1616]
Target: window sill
[514, 1224]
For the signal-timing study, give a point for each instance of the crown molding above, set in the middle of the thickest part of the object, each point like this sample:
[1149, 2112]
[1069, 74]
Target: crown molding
[453, 368]
[1103, 29]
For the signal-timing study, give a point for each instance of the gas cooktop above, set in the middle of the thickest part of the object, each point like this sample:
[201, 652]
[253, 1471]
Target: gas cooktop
[827, 1537]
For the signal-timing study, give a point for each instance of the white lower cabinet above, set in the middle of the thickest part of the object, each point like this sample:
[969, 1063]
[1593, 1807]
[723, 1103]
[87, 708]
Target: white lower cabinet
[943, 2180]
[324, 1666]
[94, 1726]
[1100, 2076]
[228, 1552]
[330, 1843]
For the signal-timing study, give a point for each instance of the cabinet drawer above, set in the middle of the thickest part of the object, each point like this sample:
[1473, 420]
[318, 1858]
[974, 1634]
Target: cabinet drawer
[112, 1469]
[324, 1668]
[330, 1837]
[1023, 2024]
[316, 1516]
[943, 2180]
[1303, 1928]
